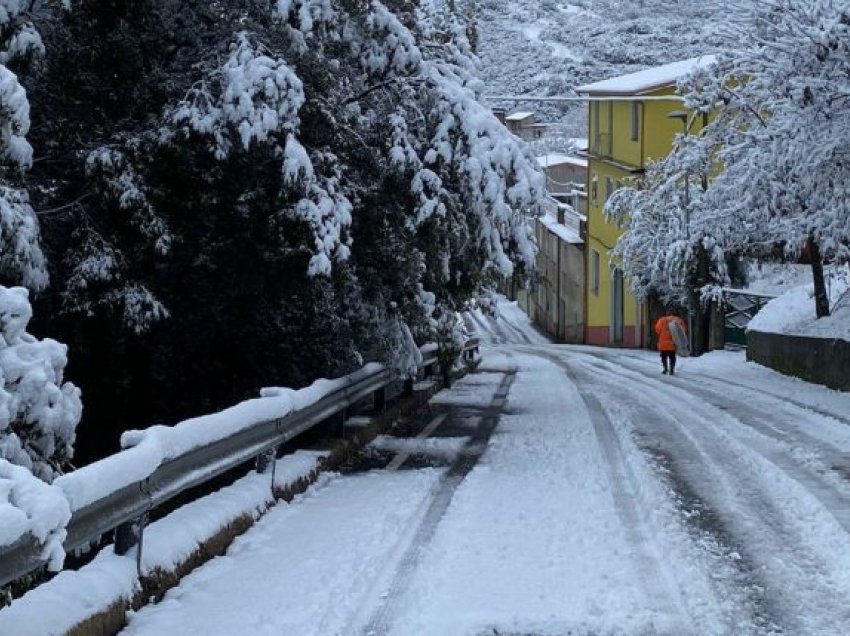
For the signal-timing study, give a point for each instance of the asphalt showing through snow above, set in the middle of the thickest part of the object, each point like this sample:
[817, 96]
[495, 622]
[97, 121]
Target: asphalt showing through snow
[381, 619]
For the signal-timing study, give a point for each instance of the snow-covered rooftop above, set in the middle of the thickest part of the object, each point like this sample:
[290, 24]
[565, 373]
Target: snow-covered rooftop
[519, 116]
[556, 159]
[579, 142]
[563, 232]
[648, 79]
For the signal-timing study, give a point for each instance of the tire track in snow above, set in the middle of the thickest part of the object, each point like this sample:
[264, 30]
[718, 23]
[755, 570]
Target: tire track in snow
[495, 337]
[694, 468]
[835, 497]
[736, 385]
[380, 620]
[529, 333]
[771, 525]
[660, 587]
[513, 328]
[742, 586]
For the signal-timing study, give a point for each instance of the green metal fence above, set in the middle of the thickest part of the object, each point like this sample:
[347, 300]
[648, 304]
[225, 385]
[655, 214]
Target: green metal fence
[740, 306]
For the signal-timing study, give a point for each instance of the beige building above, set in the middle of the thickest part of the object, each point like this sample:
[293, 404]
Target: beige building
[555, 298]
[524, 125]
[558, 293]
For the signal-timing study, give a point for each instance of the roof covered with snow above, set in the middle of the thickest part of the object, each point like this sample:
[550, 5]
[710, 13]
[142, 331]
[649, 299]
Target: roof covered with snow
[579, 142]
[519, 116]
[648, 79]
[557, 159]
[563, 232]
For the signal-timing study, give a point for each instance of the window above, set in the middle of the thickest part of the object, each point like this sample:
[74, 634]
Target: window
[635, 121]
[609, 187]
[593, 188]
[594, 272]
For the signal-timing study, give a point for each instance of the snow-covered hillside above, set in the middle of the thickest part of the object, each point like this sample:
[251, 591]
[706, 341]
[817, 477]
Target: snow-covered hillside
[548, 47]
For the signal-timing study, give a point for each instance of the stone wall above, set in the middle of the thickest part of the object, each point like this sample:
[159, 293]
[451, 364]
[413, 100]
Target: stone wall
[822, 360]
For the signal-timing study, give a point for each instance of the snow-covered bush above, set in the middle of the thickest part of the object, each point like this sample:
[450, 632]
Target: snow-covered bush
[405, 356]
[450, 341]
[29, 506]
[38, 411]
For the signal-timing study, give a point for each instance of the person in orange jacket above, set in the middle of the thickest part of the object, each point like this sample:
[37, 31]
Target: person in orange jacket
[666, 342]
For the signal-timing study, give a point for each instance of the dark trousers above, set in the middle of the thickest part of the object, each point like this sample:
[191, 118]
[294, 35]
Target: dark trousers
[671, 356]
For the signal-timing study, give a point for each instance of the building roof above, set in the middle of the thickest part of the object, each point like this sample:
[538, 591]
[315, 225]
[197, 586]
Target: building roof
[580, 143]
[519, 116]
[647, 80]
[563, 232]
[557, 159]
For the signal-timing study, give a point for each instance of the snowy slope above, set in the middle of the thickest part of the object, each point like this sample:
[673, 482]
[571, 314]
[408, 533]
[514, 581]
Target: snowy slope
[548, 47]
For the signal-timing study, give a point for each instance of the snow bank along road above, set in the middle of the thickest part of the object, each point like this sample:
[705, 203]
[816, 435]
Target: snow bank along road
[598, 497]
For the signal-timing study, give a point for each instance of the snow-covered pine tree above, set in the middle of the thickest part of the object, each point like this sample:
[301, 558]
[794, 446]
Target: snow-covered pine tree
[285, 186]
[39, 412]
[21, 257]
[473, 186]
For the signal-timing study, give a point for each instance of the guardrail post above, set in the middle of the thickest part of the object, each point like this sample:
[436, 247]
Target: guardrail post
[131, 535]
[336, 424]
[380, 399]
[265, 460]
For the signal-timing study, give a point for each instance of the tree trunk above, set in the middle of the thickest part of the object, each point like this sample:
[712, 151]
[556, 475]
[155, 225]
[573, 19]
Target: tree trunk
[816, 259]
[701, 313]
[717, 330]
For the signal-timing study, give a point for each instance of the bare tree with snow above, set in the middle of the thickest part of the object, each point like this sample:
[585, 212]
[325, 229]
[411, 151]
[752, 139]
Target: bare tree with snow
[767, 173]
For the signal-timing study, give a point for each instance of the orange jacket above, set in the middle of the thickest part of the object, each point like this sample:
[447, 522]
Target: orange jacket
[662, 330]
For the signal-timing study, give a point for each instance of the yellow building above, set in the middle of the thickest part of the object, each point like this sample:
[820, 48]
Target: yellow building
[632, 119]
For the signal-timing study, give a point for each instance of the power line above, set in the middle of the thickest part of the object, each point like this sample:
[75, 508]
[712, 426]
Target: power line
[586, 98]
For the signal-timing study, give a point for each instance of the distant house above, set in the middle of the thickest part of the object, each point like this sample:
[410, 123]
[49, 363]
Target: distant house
[556, 299]
[632, 120]
[566, 179]
[523, 125]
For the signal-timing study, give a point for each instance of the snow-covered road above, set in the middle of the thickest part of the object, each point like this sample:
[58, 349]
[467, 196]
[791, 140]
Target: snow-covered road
[599, 497]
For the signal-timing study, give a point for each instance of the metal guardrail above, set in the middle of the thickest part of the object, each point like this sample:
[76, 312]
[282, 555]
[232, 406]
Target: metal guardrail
[125, 510]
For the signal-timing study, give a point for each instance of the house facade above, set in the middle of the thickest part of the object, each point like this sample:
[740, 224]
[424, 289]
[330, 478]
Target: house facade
[525, 126]
[555, 301]
[632, 120]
